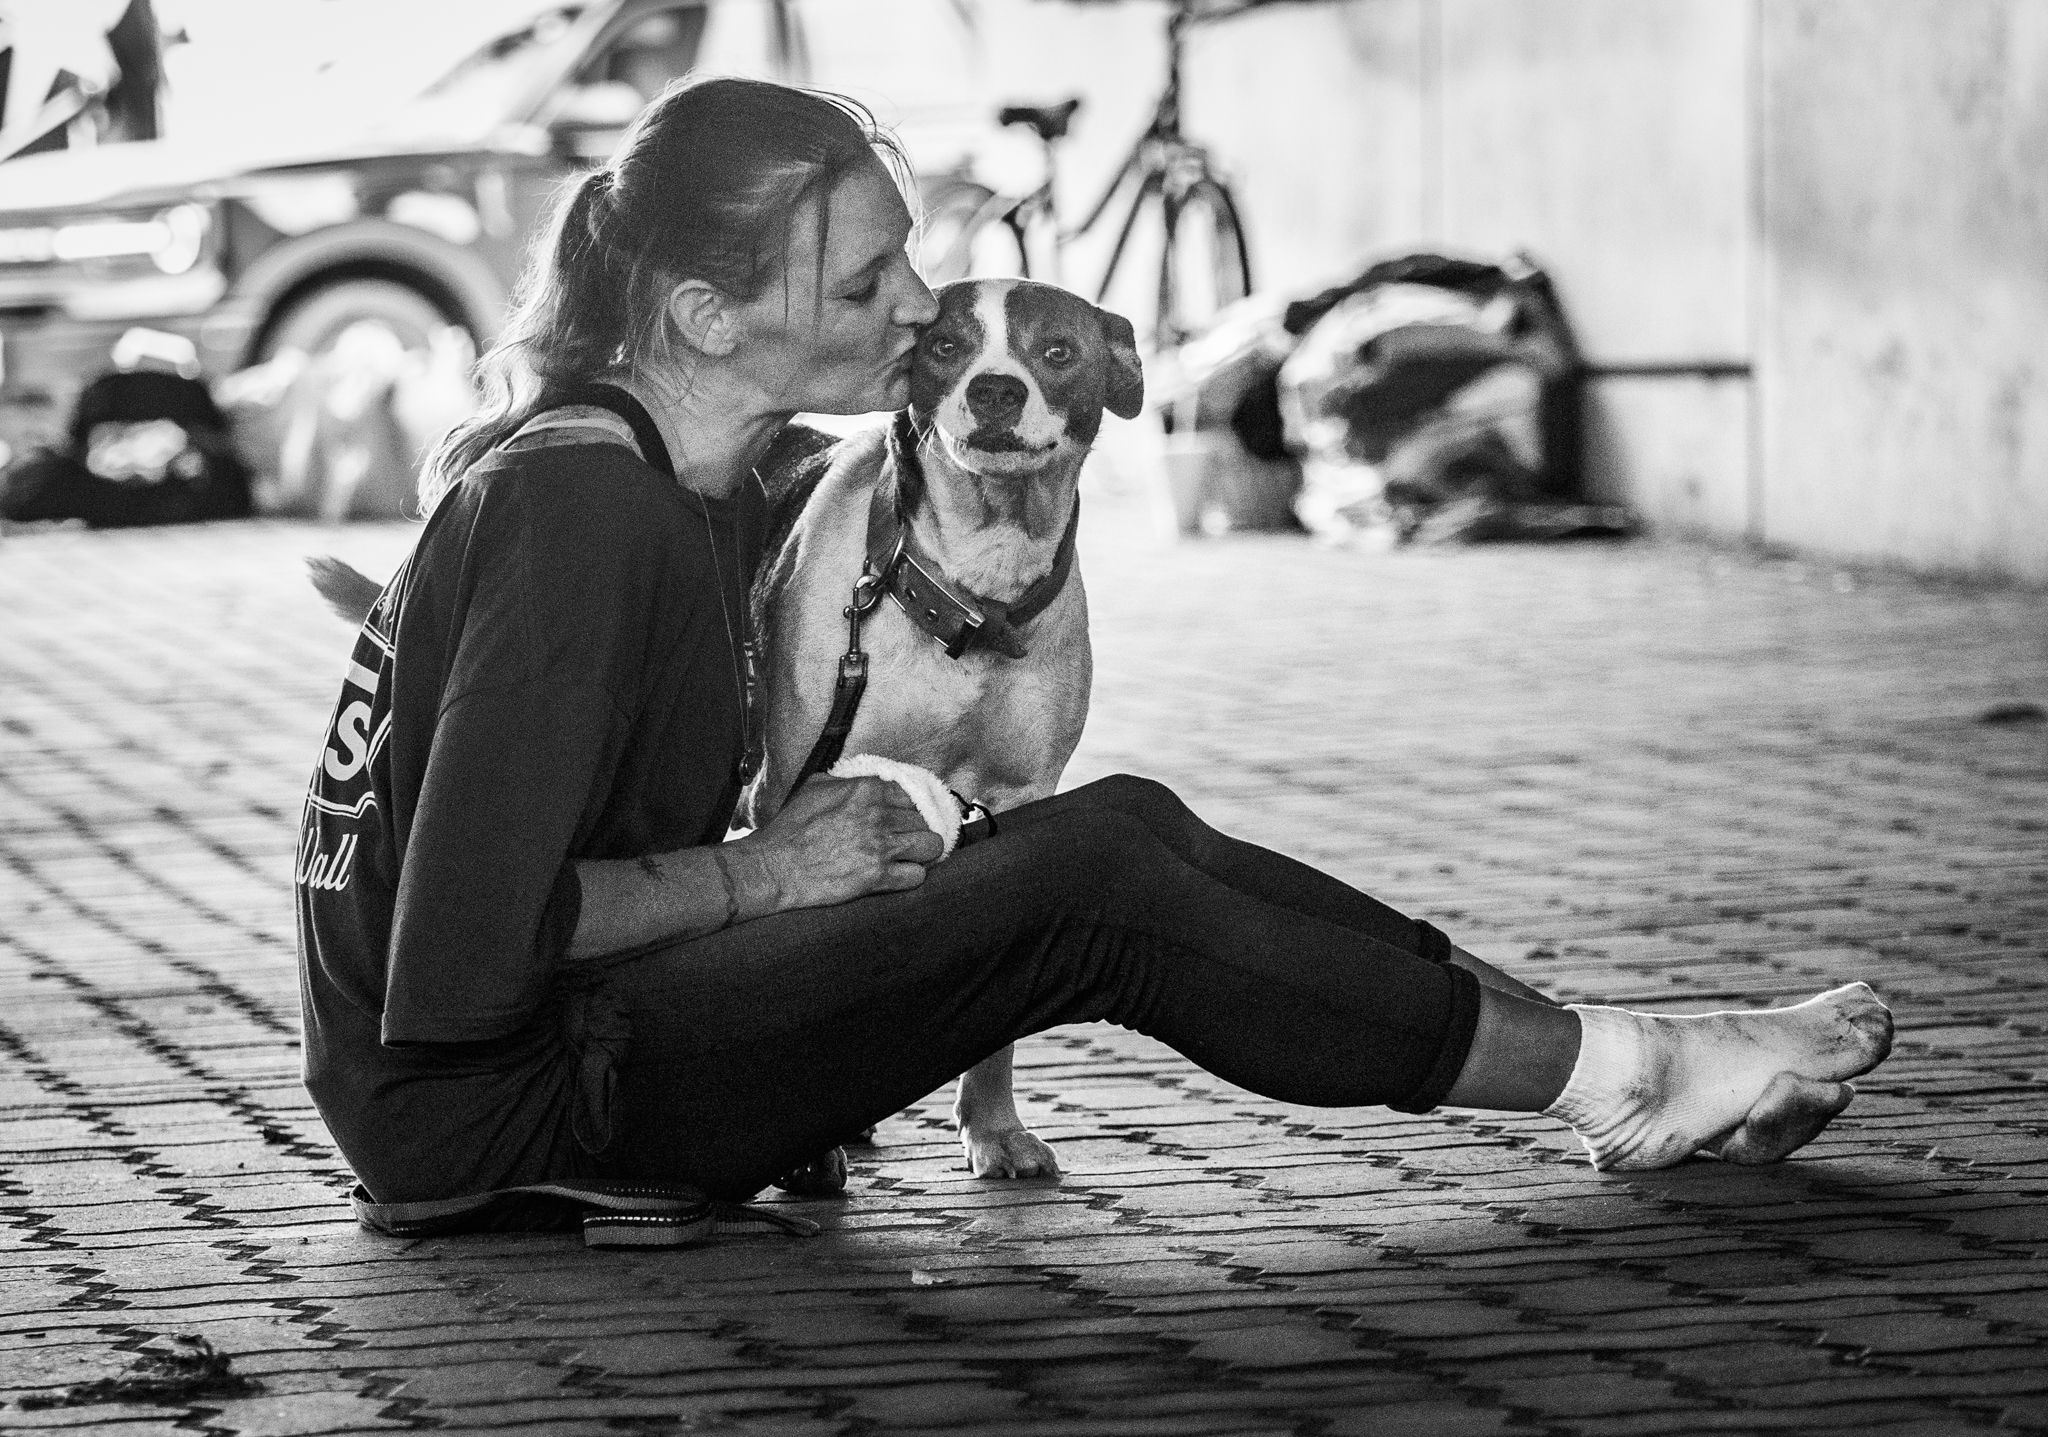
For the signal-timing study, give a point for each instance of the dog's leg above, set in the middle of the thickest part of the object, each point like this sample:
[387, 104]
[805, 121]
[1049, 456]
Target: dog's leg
[997, 1143]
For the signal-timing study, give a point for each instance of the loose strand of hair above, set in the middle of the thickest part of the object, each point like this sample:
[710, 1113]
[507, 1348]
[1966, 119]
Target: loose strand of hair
[542, 324]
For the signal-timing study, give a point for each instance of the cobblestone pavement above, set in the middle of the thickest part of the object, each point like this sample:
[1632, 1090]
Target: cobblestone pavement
[1661, 776]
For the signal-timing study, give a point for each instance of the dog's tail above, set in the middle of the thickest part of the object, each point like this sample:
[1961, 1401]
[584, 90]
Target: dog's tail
[349, 592]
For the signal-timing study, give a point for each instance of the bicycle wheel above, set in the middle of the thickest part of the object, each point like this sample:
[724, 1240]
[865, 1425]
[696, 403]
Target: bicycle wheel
[966, 230]
[1205, 265]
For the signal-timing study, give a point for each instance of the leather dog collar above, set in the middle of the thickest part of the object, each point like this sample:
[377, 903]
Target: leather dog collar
[955, 615]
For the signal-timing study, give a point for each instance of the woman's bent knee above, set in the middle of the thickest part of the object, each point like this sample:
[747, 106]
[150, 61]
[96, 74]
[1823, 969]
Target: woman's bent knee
[1145, 798]
[1101, 849]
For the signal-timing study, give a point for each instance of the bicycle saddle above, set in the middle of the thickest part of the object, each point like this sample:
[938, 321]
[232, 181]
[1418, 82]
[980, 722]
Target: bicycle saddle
[1049, 121]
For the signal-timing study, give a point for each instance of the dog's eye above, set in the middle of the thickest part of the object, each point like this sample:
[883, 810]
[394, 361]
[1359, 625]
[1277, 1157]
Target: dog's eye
[1059, 352]
[940, 347]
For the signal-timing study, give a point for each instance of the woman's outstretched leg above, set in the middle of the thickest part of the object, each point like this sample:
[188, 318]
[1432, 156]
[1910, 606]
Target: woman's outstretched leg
[755, 1048]
[1749, 1086]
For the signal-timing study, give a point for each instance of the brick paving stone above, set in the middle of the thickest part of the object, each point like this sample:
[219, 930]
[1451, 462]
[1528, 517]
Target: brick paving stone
[1423, 1419]
[1673, 777]
[123, 1420]
[1227, 1424]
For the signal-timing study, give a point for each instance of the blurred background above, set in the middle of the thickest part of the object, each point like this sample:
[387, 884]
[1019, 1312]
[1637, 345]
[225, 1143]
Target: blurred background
[1764, 271]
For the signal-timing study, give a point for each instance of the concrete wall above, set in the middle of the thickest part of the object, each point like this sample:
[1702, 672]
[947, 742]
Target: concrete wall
[1805, 242]
[1905, 233]
[1609, 139]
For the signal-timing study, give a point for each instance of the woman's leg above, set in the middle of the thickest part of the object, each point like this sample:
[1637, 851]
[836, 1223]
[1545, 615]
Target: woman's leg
[1524, 1048]
[756, 1048]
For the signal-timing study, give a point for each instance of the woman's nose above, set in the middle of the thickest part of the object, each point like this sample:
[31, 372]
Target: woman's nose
[915, 305]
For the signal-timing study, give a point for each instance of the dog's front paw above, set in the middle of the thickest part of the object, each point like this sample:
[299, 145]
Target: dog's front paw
[1008, 1153]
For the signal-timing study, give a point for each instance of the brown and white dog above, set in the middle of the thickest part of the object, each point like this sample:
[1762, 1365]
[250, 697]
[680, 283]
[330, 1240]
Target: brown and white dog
[980, 476]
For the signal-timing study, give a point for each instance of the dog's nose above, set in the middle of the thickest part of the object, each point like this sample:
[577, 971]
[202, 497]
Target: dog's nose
[996, 398]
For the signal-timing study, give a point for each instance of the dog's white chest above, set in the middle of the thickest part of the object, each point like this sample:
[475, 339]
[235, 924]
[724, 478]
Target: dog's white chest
[997, 729]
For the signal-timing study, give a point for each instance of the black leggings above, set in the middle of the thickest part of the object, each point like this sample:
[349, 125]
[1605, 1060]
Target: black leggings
[757, 1048]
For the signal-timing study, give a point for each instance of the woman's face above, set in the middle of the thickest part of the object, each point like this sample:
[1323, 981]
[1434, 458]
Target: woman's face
[842, 346]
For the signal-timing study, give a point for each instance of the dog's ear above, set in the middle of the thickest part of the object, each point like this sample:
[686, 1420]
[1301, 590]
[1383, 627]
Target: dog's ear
[1125, 394]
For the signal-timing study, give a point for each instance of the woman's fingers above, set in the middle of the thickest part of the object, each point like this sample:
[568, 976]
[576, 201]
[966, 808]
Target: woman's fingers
[824, 792]
[891, 796]
[902, 825]
[899, 816]
[903, 875]
[918, 845]
[922, 847]
[860, 835]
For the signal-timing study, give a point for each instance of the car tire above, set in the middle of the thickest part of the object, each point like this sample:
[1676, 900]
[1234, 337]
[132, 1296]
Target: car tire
[313, 322]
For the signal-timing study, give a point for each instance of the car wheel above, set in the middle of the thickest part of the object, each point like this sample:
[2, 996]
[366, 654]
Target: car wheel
[314, 322]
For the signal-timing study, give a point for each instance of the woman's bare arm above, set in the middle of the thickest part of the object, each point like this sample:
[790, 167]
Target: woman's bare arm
[631, 901]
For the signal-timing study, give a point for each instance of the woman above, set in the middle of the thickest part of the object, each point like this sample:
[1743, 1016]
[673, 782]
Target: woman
[526, 955]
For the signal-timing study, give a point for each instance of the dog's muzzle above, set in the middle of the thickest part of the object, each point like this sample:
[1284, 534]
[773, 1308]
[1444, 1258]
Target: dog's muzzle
[998, 441]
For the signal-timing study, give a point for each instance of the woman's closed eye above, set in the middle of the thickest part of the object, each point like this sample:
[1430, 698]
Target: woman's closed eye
[866, 293]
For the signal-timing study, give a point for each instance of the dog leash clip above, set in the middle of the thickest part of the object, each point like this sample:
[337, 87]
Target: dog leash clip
[867, 592]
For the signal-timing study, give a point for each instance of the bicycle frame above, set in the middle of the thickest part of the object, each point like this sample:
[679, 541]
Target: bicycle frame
[1160, 154]
[1162, 164]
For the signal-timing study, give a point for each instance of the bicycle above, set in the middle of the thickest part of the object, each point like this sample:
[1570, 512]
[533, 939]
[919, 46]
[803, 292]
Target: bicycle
[970, 229]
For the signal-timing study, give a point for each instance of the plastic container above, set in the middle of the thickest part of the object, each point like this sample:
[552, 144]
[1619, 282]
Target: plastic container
[1214, 487]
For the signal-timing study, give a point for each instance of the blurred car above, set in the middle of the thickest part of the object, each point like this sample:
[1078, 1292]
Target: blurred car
[420, 221]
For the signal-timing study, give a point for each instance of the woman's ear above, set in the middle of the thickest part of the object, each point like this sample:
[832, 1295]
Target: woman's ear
[703, 315]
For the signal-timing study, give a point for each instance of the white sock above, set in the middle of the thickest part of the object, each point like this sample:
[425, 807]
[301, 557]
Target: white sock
[1649, 1090]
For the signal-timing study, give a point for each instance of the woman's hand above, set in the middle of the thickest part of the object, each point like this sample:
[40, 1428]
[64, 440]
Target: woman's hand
[836, 839]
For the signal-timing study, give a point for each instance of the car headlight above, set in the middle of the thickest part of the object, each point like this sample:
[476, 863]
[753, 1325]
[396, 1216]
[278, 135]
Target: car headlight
[173, 240]
[27, 246]
[184, 238]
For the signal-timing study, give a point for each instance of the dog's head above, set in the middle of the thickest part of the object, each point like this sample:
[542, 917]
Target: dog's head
[1014, 375]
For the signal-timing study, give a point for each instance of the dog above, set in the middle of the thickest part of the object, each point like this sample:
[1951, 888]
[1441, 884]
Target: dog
[980, 669]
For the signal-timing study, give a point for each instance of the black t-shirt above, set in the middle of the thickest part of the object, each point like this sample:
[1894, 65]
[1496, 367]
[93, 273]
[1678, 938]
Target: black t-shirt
[551, 676]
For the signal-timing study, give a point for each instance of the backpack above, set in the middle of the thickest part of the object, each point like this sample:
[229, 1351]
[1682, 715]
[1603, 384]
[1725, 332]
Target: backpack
[1439, 395]
[141, 447]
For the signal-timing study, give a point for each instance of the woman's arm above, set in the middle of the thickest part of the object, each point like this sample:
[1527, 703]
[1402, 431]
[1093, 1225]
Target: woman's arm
[631, 901]
[835, 840]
